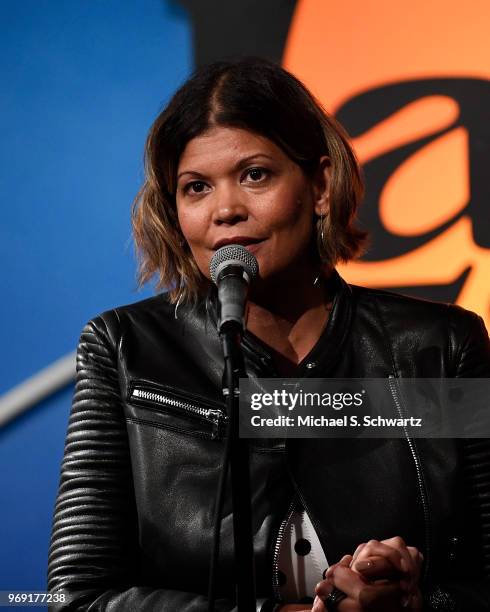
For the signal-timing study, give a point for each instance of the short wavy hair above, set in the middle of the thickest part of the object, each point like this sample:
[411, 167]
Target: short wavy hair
[260, 96]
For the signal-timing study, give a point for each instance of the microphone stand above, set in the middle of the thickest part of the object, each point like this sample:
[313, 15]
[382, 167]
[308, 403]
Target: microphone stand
[232, 268]
[231, 336]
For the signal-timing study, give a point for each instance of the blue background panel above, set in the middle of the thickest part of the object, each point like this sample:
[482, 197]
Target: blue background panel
[81, 84]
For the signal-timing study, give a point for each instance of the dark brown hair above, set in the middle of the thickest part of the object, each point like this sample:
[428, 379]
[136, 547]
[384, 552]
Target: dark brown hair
[262, 97]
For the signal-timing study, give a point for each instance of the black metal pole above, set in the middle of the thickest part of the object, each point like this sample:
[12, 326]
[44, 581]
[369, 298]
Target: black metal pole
[240, 477]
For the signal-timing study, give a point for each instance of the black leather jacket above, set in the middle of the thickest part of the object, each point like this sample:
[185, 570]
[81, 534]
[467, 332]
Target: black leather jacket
[132, 528]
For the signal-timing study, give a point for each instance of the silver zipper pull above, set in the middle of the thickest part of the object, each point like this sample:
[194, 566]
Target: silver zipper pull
[215, 416]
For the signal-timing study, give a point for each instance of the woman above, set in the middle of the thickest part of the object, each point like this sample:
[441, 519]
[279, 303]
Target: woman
[244, 154]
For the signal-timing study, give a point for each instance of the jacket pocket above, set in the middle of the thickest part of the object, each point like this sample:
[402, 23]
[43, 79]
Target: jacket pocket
[174, 409]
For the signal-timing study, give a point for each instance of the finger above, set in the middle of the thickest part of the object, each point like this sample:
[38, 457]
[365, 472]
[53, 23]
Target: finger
[318, 605]
[418, 559]
[345, 561]
[376, 568]
[410, 583]
[415, 553]
[348, 581]
[400, 559]
[399, 544]
[374, 548]
[324, 588]
[358, 550]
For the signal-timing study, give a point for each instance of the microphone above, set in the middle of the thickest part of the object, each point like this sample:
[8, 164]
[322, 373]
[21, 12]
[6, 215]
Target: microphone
[232, 269]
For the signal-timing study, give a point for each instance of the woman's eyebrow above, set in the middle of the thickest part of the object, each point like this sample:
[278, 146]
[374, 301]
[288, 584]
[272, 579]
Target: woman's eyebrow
[246, 160]
[192, 172]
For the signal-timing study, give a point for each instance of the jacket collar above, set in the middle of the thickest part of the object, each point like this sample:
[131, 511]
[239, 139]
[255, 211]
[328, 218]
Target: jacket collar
[322, 356]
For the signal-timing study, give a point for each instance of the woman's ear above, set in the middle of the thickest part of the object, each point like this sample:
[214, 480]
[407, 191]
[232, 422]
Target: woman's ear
[321, 186]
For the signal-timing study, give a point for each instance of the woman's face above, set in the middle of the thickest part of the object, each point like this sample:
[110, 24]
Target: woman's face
[237, 186]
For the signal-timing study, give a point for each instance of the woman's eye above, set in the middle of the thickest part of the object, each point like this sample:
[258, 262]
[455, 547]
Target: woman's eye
[256, 174]
[195, 187]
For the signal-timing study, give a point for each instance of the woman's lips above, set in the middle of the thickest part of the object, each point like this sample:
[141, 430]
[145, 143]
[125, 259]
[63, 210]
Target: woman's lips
[240, 240]
[251, 248]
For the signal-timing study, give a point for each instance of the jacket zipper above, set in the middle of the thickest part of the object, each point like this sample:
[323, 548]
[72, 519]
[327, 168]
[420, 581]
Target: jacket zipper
[209, 414]
[277, 549]
[418, 469]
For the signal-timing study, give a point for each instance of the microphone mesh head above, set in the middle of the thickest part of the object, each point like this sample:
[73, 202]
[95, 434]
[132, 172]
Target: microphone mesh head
[233, 254]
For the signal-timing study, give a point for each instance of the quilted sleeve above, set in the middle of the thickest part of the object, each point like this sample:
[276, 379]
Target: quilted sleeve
[470, 349]
[94, 533]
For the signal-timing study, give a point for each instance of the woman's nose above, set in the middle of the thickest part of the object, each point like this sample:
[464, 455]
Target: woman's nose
[229, 208]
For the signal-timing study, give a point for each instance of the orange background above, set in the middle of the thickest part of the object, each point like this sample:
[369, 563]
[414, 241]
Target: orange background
[342, 49]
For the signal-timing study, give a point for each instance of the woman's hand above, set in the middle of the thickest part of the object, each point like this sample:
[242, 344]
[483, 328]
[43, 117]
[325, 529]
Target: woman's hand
[389, 559]
[379, 576]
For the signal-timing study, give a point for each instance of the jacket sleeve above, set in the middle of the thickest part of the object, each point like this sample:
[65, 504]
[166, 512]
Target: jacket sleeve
[94, 535]
[470, 349]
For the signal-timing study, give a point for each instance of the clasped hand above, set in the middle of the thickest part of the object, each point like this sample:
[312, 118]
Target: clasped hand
[381, 576]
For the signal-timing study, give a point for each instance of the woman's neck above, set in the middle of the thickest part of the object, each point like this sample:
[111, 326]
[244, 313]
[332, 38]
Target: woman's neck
[289, 318]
